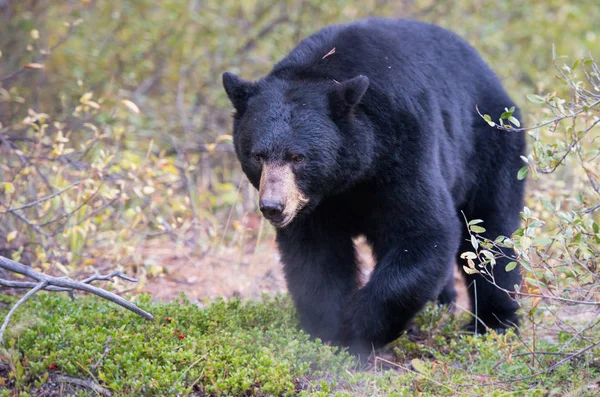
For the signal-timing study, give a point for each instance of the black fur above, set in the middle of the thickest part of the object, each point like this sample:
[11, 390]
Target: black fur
[397, 163]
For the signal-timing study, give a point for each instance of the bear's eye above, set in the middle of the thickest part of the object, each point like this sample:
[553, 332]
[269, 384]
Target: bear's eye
[258, 157]
[297, 158]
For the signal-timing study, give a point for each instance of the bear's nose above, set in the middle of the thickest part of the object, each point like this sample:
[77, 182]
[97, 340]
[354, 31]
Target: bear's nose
[272, 210]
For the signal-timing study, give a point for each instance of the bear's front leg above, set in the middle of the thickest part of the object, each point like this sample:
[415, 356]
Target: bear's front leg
[320, 268]
[406, 277]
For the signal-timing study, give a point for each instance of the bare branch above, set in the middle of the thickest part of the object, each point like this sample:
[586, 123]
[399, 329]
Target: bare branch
[109, 277]
[96, 277]
[28, 284]
[66, 283]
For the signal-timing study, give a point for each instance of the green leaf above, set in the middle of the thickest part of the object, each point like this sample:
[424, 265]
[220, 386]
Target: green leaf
[474, 242]
[536, 99]
[487, 118]
[514, 120]
[535, 282]
[536, 223]
[525, 242]
[510, 266]
[547, 204]
[487, 254]
[543, 241]
[519, 232]
[475, 221]
[522, 174]
[525, 265]
[477, 229]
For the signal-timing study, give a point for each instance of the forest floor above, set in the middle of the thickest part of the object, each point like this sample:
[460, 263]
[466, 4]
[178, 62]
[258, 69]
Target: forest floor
[233, 272]
[248, 343]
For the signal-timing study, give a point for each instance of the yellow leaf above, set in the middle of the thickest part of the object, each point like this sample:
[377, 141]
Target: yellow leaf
[86, 97]
[9, 187]
[148, 190]
[468, 270]
[11, 236]
[225, 137]
[35, 34]
[131, 106]
[60, 138]
[91, 126]
[418, 365]
[89, 261]
[93, 104]
[62, 268]
[211, 147]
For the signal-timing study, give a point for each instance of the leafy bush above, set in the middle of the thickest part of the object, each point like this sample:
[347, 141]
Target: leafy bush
[559, 243]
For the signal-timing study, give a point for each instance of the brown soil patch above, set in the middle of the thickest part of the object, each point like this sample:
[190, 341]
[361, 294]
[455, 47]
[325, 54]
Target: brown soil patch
[227, 272]
[246, 272]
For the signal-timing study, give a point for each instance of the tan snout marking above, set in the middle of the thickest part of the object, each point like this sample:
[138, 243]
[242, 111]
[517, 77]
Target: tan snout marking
[278, 184]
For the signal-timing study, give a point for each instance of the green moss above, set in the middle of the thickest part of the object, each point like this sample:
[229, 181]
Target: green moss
[255, 348]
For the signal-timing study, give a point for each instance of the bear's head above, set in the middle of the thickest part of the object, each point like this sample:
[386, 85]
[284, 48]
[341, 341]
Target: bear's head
[300, 141]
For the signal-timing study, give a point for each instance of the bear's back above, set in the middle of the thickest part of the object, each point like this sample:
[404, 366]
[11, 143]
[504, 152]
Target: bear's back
[388, 51]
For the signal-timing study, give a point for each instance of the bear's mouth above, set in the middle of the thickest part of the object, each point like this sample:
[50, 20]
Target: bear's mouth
[283, 222]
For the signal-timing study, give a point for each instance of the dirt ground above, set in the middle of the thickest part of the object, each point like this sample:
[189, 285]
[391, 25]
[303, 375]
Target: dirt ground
[232, 272]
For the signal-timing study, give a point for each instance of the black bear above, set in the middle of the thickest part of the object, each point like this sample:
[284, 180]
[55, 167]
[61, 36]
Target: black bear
[371, 128]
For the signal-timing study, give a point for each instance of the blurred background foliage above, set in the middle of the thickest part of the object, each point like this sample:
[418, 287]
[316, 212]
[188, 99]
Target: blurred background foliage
[115, 126]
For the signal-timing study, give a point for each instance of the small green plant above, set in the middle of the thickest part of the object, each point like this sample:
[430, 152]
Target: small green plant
[256, 348]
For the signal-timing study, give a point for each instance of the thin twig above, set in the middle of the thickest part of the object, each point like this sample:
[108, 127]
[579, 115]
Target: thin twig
[535, 127]
[84, 383]
[42, 56]
[46, 198]
[23, 299]
[104, 353]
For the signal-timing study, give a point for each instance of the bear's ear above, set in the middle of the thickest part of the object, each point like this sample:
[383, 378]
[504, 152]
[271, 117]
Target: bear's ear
[238, 90]
[348, 94]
